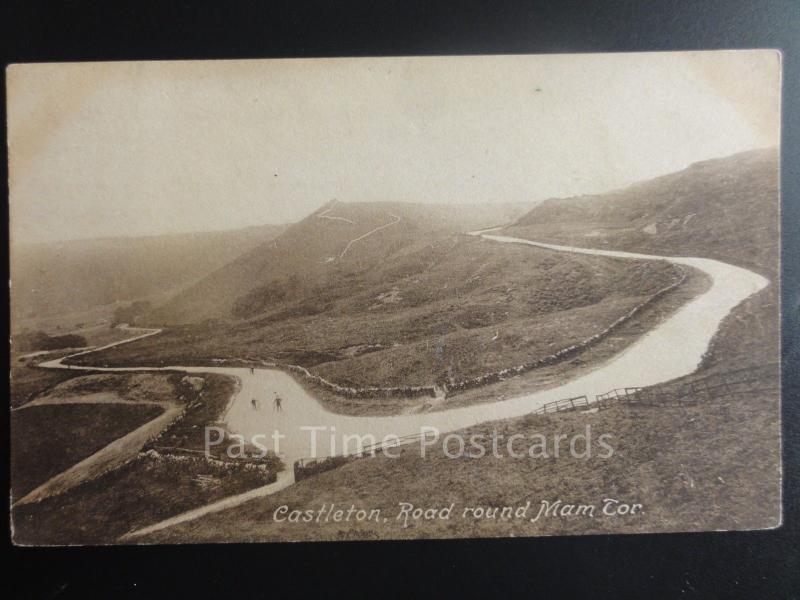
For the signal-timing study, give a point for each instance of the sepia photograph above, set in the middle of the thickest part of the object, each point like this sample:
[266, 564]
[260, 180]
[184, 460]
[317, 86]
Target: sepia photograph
[387, 298]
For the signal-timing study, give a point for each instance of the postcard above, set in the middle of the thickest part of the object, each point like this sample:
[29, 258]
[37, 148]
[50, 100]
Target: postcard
[394, 298]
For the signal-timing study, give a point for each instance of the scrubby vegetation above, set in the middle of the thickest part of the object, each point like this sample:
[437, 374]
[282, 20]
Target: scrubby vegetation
[130, 313]
[46, 440]
[714, 464]
[40, 341]
[414, 306]
[684, 464]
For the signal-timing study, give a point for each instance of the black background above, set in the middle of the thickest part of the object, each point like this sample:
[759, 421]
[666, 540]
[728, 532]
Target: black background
[718, 565]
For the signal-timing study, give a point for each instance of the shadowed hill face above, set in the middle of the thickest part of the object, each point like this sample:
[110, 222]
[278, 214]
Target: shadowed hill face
[725, 208]
[69, 277]
[338, 243]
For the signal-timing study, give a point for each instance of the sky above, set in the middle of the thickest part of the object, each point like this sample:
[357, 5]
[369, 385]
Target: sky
[141, 148]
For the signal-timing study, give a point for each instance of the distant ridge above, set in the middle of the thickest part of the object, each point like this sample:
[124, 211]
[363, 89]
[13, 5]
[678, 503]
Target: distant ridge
[51, 279]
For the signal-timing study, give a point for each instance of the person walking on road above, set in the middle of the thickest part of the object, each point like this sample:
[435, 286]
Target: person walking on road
[276, 405]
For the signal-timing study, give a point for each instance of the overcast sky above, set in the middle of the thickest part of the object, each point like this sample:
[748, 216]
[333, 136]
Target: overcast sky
[106, 149]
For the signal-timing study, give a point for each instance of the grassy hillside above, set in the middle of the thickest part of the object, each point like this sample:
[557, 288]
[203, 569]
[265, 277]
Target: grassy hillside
[709, 464]
[682, 463]
[339, 241]
[726, 208]
[71, 278]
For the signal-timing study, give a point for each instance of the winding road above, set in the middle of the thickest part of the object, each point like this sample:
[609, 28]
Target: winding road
[673, 349]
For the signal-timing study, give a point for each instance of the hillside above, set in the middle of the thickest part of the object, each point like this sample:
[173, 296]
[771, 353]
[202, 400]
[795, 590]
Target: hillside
[68, 278]
[339, 240]
[725, 208]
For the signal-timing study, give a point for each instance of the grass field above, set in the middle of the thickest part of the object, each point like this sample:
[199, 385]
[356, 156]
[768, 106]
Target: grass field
[46, 440]
[139, 493]
[59, 431]
[713, 464]
[727, 209]
[29, 381]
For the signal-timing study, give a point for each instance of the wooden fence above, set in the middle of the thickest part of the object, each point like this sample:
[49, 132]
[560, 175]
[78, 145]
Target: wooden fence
[745, 380]
[564, 404]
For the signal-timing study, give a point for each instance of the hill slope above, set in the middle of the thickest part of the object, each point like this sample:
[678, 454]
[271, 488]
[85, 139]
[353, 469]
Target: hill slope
[725, 208]
[339, 240]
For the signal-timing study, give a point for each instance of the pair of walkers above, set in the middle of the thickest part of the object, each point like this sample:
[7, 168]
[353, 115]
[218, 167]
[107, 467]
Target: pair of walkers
[277, 403]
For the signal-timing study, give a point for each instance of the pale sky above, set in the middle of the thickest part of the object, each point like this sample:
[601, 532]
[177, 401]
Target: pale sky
[138, 148]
